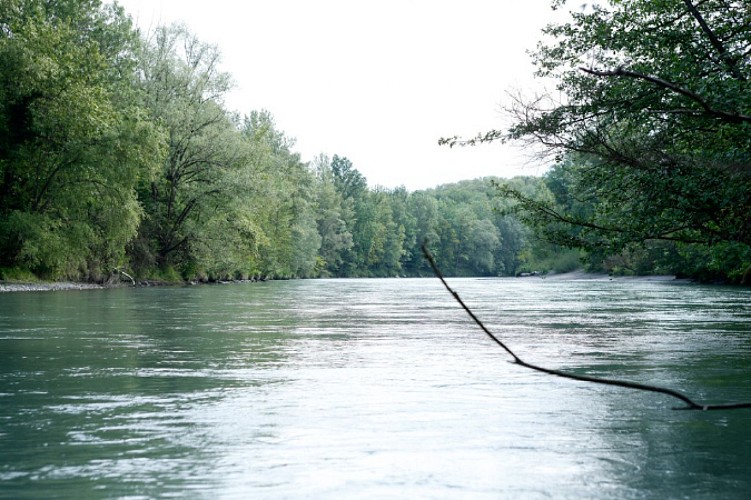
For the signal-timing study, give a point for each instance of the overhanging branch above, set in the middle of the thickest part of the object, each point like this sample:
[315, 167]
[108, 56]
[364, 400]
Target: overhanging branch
[726, 58]
[622, 72]
[690, 403]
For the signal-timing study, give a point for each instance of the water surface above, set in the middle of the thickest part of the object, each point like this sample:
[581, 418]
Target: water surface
[373, 389]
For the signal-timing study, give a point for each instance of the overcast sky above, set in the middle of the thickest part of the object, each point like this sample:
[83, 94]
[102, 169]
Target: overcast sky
[377, 81]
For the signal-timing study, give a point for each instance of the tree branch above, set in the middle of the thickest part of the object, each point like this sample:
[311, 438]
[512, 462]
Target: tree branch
[620, 71]
[716, 43]
[667, 234]
[690, 403]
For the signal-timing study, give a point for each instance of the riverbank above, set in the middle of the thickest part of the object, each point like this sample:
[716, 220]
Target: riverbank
[581, 275]
[47, 286]
[57, 286]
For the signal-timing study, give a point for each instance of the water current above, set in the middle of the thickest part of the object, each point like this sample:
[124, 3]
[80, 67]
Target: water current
[373, 389]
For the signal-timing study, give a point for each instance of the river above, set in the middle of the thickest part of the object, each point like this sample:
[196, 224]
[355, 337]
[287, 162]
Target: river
[376, 388]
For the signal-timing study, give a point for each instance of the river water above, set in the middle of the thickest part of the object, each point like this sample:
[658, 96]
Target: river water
[373, 389]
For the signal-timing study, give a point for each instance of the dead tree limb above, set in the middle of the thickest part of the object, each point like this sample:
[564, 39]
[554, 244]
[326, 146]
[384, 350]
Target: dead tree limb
[690, 403]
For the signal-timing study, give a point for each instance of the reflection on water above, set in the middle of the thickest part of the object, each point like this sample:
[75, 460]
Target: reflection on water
[373, 388]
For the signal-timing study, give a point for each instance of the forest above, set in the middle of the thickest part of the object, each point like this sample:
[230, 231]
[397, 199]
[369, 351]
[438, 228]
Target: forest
[118, 155]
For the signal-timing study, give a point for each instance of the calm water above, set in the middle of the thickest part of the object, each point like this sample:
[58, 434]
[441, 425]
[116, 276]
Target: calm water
[373, 389]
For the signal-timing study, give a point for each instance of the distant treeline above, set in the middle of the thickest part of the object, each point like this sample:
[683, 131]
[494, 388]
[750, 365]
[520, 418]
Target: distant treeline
[118, 154]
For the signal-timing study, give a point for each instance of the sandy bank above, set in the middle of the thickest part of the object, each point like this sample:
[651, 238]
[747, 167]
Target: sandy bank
[581, 275]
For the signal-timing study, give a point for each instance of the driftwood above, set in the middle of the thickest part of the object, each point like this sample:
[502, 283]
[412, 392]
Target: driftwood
[690, 403]
[120, 271]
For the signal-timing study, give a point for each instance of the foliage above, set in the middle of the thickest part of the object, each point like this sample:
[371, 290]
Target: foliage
[72, 142]
[117, 151]
[334, 221]
[282, 201]
[181, 86]
[653, 135]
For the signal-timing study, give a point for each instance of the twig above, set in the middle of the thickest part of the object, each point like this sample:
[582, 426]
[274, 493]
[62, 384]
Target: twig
[690, 403]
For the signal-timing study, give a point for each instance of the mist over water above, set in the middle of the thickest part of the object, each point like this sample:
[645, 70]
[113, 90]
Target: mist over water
[373, 389]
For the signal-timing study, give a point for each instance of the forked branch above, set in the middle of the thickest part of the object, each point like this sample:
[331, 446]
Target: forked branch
[690, 403]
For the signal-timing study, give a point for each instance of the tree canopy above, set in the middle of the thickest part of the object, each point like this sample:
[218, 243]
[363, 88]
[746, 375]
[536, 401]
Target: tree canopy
[652, 135]
[73, 141]
[117, 152]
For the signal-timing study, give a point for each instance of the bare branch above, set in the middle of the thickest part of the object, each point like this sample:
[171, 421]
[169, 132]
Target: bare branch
[690, 403]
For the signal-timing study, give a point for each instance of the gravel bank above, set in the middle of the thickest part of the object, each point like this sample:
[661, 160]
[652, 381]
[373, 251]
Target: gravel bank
[581, 275]
[46, 287]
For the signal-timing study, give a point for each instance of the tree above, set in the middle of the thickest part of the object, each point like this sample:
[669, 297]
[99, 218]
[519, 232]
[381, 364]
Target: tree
[406, 225]
[382, 237]
[282, 200]
[353, 189]
[73, 141]
[348, 180]
[183, 89]
[332, 219]
[655, 129]
[424, 209]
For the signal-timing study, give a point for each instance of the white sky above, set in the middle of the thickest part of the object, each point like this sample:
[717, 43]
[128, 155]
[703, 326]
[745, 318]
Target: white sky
[377, 81]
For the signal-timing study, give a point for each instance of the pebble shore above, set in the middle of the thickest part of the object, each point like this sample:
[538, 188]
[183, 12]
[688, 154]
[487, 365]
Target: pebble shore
[46, 287]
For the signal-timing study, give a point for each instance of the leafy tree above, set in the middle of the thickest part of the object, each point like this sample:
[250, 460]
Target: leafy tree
[332, 219]
[383, 238]
[183, 89]
[353, 189]
[282, 199]
[406, 224]
[73, 142]
[424, 209]
[483, 238]
[348, 180]
[654, 134]
[508, 255]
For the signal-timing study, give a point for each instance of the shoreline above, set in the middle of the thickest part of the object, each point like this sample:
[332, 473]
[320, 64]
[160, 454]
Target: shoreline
[581, 275]
[44, 286]
[59, 286]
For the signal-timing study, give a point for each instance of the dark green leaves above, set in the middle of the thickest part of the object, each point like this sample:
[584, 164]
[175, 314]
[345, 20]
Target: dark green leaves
[655, 128]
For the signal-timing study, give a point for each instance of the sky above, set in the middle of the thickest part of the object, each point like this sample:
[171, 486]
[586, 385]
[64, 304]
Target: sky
[378, 82]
